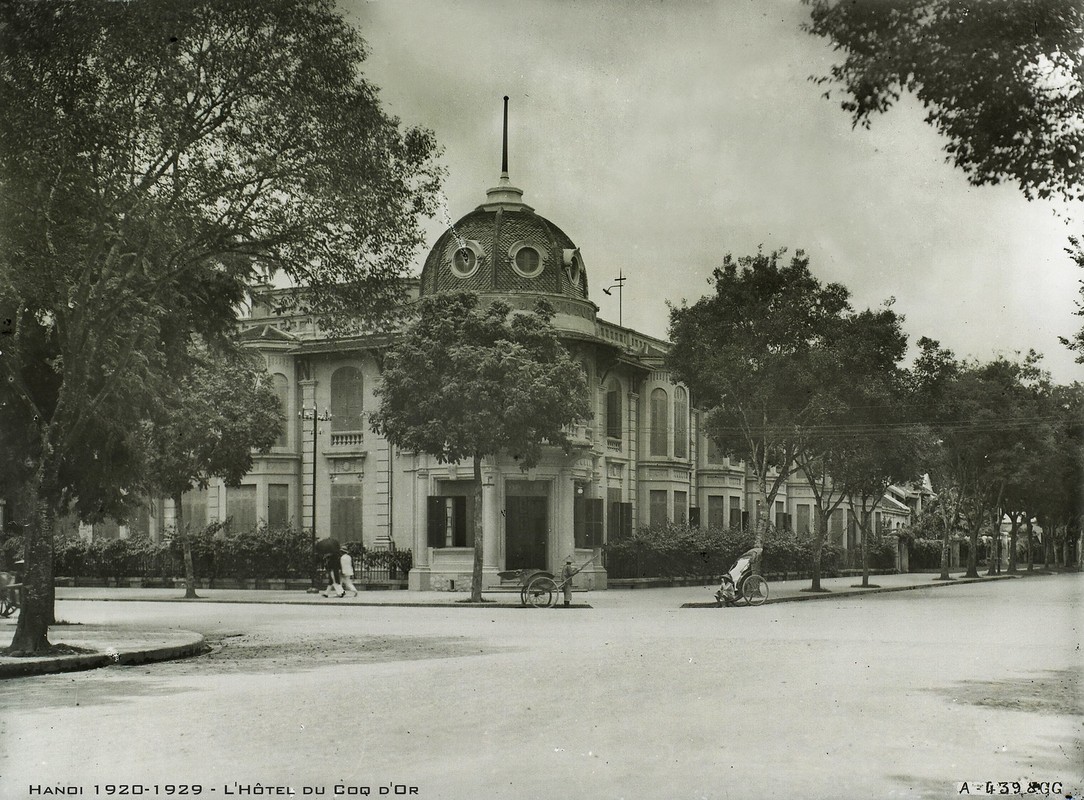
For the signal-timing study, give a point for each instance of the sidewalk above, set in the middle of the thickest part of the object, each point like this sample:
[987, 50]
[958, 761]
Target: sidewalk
[116, 645]
[101, 646]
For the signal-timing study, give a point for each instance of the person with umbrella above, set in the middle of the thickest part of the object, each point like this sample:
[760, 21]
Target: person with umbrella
[329, 548]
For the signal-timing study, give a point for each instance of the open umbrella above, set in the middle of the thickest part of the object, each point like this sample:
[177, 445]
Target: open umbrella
[326, 546]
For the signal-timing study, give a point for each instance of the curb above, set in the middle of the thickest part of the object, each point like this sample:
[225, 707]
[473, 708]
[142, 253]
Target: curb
[18, 668]
[859, 592]
[235, 601]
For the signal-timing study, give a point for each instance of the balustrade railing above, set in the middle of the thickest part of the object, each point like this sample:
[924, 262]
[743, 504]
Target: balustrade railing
[347, 438]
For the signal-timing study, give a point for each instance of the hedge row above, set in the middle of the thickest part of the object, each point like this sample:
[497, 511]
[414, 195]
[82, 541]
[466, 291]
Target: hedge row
[674, 550]
[217, 552]
[926, 553]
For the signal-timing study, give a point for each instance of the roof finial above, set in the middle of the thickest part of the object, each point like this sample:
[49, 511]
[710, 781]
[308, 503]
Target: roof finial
[504, 194]
[504, 145]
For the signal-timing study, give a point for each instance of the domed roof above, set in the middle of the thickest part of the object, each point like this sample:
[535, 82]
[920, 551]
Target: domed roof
[502, 247]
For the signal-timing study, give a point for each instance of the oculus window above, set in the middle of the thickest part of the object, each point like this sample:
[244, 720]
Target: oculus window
[526, 259]
[466, 257]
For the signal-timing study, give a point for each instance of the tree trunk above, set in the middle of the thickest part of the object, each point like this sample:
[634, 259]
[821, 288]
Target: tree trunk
[760, 524]
[862, 539]
[186, 548]
[476, 577]
[36, 613]
[946, 554]
[1031, 544]
[818, 547]
[973, 552]
[1014, 532]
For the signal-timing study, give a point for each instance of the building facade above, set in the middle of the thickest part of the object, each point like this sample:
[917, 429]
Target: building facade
[641, 459]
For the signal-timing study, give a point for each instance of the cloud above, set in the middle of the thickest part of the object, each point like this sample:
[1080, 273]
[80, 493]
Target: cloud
[661, 136]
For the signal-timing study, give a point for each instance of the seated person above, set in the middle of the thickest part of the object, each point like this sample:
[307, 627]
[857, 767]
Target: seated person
[728, 591]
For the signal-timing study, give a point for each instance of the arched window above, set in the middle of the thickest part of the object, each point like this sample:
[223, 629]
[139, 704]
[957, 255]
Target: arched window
[347, 399]
[681, 423]
[281, 385]
[660, 422]
[614, 423]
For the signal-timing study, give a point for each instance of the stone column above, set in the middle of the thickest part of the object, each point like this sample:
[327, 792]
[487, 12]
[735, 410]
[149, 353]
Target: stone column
[419, 575]
[491, 524]
[308, 430]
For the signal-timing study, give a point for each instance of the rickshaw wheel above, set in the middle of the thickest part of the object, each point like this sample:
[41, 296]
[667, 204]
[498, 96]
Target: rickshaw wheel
[541, 591]
[755, 590]
[7, 608]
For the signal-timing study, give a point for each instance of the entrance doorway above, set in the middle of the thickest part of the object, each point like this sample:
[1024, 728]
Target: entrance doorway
[526, 524]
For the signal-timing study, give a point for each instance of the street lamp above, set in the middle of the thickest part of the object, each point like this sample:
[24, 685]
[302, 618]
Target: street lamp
[316, 417]
[619, 284]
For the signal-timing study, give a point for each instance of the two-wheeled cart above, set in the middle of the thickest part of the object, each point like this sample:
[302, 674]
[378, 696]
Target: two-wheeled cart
[539, 588]
[10, 594]
[742, 582]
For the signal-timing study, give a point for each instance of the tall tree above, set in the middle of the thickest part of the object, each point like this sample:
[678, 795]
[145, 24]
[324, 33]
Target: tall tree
[931, 380]
[1059, 501]
[155, 156]
[1002, 82]
[861, 441]
[471, 381]
[980, 414]
[745, 354]
[207, 426]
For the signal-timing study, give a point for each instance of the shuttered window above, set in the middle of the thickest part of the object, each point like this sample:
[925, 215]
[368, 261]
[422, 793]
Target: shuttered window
[587, 521]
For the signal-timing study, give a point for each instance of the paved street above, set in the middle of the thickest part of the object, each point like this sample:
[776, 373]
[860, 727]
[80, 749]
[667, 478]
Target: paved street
[892, 695]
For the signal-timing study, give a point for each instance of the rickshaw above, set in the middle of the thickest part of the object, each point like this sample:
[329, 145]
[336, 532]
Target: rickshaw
[10, 589]
[741, 583]
[538, 587]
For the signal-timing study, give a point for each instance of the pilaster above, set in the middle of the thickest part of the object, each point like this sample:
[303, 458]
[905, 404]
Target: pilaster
[308, 431]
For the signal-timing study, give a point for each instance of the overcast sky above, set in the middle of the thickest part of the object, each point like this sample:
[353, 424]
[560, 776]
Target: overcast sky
[660, 136]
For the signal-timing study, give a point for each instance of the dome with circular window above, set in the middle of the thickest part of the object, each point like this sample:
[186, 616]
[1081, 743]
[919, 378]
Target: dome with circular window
[504, 247]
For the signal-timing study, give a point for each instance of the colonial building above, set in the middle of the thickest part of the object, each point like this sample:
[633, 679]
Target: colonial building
[641, 459]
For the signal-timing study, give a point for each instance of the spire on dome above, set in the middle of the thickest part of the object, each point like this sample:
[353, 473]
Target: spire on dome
[504, 144]
[504, 194]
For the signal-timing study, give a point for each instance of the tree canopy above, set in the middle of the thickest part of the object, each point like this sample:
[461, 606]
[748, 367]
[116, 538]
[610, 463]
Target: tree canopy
[987, 422]
[467, 381]
[207, 425]
[745, 352]
[157, 159]
[857, 439]
[1002, 82]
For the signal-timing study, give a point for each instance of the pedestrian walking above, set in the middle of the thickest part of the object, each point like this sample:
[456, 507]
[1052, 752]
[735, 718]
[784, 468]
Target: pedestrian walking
[346, 567]
[566, 577]
[334, 576]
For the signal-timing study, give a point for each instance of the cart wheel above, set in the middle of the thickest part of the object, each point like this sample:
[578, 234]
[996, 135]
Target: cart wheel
[755, 590]
[541, 591]
[7, 608]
